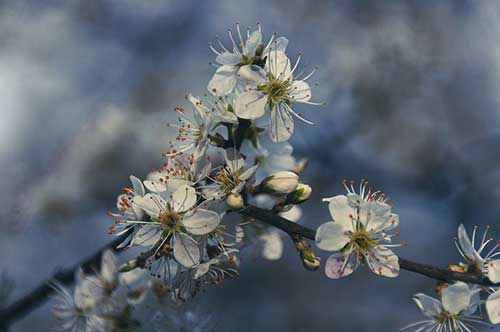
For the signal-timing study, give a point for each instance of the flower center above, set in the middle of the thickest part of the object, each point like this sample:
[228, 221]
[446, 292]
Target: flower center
[361, 241]
[170, 221]
[276, 90]
[227, 179]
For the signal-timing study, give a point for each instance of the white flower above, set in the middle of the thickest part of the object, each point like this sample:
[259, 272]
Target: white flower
[359, 234]
[273, 88]
[230, 178]
[454, 313]
[215, 270]
[193, 133]
[240, 53]
[174, 223]
[283, 182]
[76, 311]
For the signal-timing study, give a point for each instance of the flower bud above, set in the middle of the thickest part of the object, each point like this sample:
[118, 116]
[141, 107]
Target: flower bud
[281, 182]
[234, 201]
[299, 195]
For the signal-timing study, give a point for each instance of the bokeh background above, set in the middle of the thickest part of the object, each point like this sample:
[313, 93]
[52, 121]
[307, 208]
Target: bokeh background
[413, 104]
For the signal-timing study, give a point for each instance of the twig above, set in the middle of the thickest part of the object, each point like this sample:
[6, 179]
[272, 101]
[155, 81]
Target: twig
[430, 271]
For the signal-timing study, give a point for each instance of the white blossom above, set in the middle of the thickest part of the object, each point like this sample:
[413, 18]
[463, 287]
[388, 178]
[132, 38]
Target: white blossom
[241, 52]
[273, 88]
[454, 313]
[358, 234]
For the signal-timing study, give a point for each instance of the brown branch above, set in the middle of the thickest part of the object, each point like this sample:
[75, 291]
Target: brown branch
[294, 229]
[42, 292]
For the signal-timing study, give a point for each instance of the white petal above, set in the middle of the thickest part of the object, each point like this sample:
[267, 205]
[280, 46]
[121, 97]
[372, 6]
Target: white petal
[202, 222]
[294, 214]
[494, 270]
[339, 265]
[226, 58]
[184, 199]
[250, 105]
[137, 185]
[383, 261]
[278, 64]
[252, 42]
[186, 250]
[465, 243]
[493, 307]
[248, 173]
[201, 270]
[152, 204]
[234, 160]
[280, 124]
[456, 298]
[252, 75]
[300, 91]
[429, 305]
[341, 211]
[331, 236]
[155, 186]
[272, 245]
[147, 235]
[109, 266]
[223, 81]
[278, 44]
[88, 292]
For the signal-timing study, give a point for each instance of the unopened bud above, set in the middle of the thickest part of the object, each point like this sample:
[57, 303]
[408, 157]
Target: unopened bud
[234, 201]
[299, 195]
[281, 182]
[129, 266]
[310, 260]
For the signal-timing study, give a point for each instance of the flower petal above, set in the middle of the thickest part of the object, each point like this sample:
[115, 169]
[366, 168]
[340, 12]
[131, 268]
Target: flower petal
[493, 307]
[456, 298]
[186, 250]
[272, 245]
[494, 270]
[300, 91]
[331, 236]
[147, 235]
[226, 58]
[281, 124]
[278, 64]
[340, 210]
[155, 186]
[465, 243]
[248, 173]
[383, 261]
[223, 81]
[278, 44]
[252, 75]
[184, 199]
[339, 265]
[429, 305]
[250, 105]
[109, 266]
[202, 222]
[253, 42]
[234, 160]
[152, 204]
[137, 185]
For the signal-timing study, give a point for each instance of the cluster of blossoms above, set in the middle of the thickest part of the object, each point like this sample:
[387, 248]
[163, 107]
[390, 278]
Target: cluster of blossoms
[230, 152]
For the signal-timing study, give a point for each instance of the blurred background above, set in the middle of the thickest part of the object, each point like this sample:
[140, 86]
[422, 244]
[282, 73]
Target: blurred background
[413, 105]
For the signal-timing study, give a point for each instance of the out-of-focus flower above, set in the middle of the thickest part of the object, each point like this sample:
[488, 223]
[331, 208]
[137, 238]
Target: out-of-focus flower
[242, 52]
[273, 88]
[359, 234]
[454, 313]
[283, 182]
